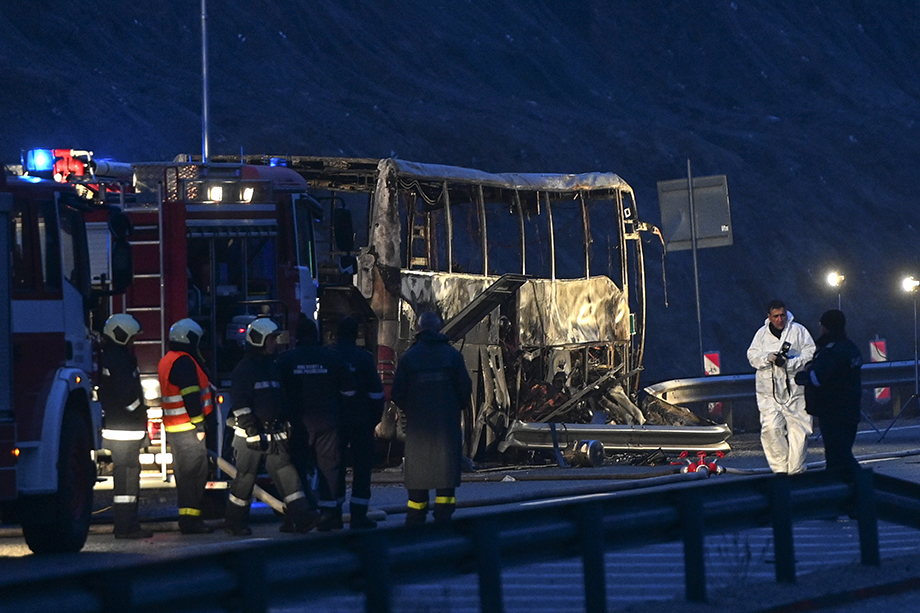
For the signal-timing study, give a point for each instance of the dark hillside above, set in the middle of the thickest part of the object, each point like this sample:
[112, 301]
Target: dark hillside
[810, 108]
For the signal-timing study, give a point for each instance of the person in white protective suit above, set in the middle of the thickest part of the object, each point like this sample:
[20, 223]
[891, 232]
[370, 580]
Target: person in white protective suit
[779, 350]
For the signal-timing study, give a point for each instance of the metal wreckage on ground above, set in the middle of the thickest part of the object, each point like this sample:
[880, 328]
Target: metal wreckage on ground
[539, 279]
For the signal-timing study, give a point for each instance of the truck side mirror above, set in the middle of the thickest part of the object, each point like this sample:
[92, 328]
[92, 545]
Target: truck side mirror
[119, 224]
[122, 265]
[343, 229]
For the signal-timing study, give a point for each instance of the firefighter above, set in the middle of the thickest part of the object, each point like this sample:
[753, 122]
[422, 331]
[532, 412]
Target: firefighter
[432, 387]
[125, 420]
[261, 432]
[360, 414]
[315, 379]
[187, 400]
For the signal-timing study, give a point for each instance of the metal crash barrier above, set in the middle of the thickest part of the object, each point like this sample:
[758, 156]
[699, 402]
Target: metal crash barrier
[255, 576]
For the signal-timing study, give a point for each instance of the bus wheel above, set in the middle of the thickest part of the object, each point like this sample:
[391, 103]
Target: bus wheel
[64, 525]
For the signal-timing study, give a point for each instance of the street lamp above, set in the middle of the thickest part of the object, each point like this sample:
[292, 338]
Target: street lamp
[910, 285]
[835, 280]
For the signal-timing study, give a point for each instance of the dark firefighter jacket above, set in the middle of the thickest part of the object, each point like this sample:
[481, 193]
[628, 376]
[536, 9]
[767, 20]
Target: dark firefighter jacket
[120, 389]
[315, 379]
[256, 392]
[834, 385]
[432, 387]
[366, 406]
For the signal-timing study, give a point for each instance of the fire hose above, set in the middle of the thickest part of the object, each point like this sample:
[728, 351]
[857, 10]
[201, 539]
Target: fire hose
[274, 503]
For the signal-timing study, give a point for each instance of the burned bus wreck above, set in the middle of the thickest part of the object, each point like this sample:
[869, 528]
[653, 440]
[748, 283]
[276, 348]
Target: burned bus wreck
[539, 279]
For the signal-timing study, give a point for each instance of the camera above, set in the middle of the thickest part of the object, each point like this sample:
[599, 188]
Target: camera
[783, 354]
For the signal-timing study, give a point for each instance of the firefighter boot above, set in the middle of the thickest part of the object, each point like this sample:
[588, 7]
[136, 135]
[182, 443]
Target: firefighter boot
[236, 518]
[193, 524]
[359, 519]
[299, 517]
[444, 505]
[127, 525]
[330, 519]
[416, 513]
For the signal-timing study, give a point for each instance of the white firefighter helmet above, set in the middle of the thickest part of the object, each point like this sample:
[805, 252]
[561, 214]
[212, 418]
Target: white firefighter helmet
[259, 330]
[186, 331]
[121, 328]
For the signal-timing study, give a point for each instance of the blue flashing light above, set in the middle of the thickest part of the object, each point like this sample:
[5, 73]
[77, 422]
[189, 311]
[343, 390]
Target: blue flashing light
[39, 160]
[277, 162]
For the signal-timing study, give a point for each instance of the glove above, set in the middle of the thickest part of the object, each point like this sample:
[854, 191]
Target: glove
[803, 377]
[256, 439]
[779, 360]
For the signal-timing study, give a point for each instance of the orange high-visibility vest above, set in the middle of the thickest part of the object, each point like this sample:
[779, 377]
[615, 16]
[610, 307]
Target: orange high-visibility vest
[175, 417]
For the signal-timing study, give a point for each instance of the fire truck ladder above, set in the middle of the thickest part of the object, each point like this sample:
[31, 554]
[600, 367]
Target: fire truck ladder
[150, 250]
[504, 288]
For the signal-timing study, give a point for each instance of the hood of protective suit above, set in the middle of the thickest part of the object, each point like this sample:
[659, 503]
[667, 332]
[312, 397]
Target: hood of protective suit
[789, 318]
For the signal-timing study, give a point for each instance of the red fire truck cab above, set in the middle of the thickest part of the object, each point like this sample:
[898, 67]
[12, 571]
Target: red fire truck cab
[49, 417]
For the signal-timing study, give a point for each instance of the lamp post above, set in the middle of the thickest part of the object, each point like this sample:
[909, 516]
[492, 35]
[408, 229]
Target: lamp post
[835, 280]
[910, 286]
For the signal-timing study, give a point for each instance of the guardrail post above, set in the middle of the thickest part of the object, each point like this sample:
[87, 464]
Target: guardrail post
[375, 570]
[692, 530]
[783, 542]
[868, 520]
[489, 565]
[591, 541]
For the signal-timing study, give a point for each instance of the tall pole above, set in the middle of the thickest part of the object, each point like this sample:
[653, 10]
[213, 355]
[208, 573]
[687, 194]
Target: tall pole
[696, 274]
[916, 361]
[204, 82]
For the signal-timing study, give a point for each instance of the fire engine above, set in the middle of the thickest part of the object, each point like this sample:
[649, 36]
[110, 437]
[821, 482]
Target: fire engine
[220, 243]
[49, 417]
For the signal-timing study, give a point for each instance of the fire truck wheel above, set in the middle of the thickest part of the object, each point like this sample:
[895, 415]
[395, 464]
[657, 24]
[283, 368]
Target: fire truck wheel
[67, 522]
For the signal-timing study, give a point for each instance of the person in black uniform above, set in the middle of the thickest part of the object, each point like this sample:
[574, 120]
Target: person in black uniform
[432, 387]
[833, 391]
[315, 379]
[360, 414]
[261, 432]
[124, 432]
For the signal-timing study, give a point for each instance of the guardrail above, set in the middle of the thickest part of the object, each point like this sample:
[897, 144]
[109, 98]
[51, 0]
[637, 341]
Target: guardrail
[255, 576]
[738, 387]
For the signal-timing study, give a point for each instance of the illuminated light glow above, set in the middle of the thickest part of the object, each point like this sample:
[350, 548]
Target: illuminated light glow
[835, 279]
[216, 193]
[78, 379]
[39, 160]
[220, 399]
[151, 389]
[910, 284]
[248, 192]
[16, 452]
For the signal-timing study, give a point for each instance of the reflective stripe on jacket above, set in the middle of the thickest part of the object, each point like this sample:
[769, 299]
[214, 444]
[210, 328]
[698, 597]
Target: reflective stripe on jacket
[175, 415]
